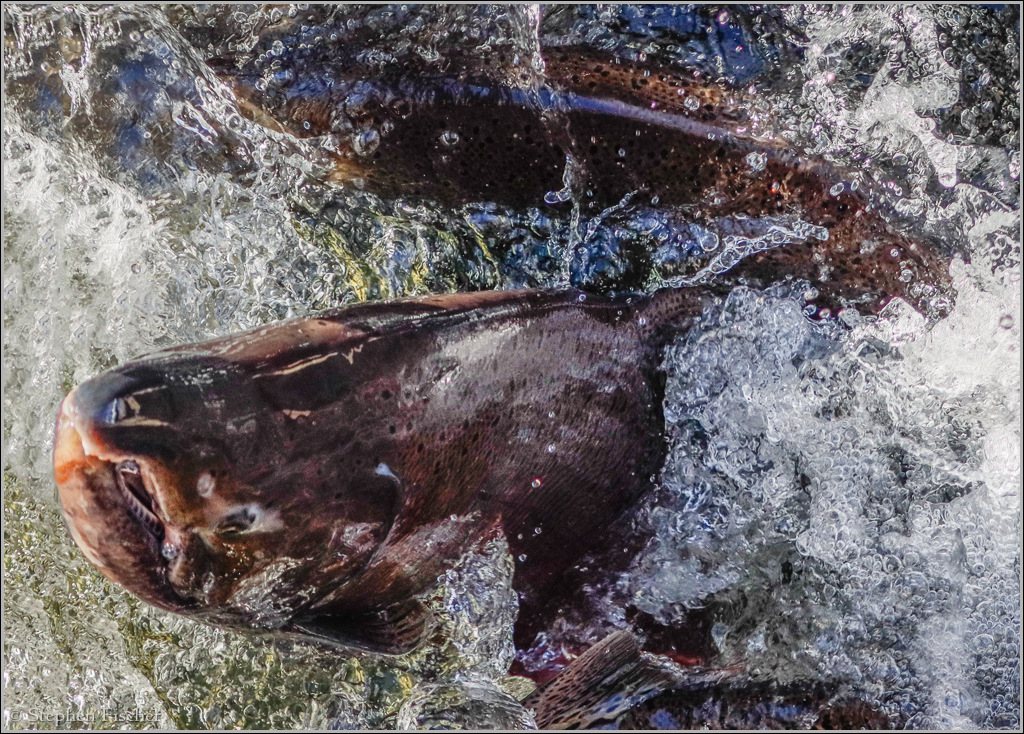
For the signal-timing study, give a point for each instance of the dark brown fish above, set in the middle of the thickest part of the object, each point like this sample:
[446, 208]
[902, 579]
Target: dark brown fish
[313, 476]
[597, 128]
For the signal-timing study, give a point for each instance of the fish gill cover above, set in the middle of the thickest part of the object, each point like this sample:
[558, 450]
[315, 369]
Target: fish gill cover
[842, 496]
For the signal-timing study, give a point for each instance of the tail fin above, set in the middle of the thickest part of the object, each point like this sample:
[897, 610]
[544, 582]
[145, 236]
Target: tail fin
[603, 683]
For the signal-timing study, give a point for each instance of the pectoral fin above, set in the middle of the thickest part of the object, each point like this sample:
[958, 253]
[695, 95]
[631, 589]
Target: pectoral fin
[395, 630]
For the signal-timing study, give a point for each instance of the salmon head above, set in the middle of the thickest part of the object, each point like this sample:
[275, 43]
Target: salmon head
[221, 481]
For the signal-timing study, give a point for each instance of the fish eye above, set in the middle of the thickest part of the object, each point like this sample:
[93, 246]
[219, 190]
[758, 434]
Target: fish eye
[114, 411]
[236, 523]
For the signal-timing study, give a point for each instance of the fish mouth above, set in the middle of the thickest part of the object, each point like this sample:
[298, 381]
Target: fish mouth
[138, 501]
[110, 512]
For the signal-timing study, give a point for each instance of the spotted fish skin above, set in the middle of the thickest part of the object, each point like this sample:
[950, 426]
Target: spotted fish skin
[313, 476]
[596, 129]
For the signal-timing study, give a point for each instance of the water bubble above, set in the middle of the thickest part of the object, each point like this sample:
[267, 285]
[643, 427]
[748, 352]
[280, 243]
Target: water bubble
[453, 517]
[691, 103]
[894, 252]
[536, 483]
[551, 448]
[522, 556]
[557, 197]
[537, 530]
[757, 161]
[366, 142]
[450, 138]
[810, 294]
[622, 152]
[136, 268]
[837, 189]
[1006, 322]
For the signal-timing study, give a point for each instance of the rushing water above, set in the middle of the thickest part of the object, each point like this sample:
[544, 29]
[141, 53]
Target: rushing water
[844, 495]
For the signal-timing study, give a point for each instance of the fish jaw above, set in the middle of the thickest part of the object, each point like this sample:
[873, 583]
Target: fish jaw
[115, 529]
[169, 493]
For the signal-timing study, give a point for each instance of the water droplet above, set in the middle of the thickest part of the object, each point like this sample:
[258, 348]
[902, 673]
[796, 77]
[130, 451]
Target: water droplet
[810, 294]
[537, 530]
[453, 517]
[136, 268]
[551, 448]
[522, 557]
[622, 152]
[642, 321]
[582, 297]
[837, 189]
[536, 482]
[757, 161]
[366, 142]
[450, 138]
[691, 103]
[1006, 322]
[894, 252]
[551, 414]
[205, 485]
[557, 197]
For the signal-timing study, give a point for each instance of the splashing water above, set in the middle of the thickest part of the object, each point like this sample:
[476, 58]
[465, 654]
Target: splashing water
[843, 496]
